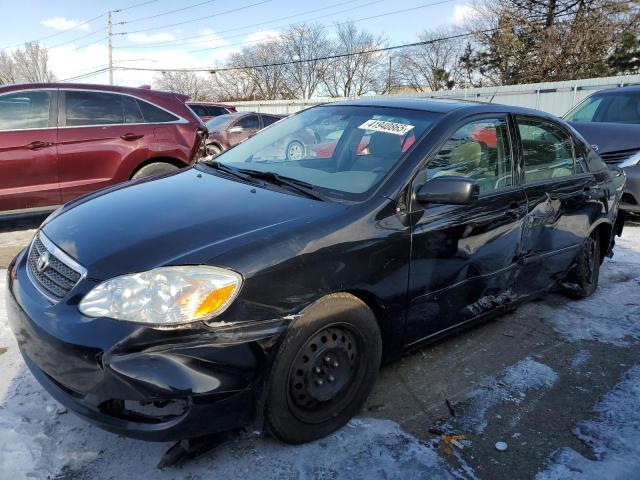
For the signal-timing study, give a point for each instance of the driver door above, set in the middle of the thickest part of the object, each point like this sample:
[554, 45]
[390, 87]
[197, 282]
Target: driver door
[464, 258]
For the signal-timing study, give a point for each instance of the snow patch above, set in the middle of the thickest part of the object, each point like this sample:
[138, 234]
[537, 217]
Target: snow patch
[614, 437]
[612, 314]
[525, 375]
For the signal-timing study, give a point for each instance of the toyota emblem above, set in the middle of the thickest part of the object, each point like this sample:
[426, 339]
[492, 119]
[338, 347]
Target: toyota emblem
[43, 262]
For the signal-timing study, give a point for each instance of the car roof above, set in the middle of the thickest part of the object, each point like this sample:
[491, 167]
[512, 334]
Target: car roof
[143, 92]
[209, 104]
[441, 105]
[614, 90]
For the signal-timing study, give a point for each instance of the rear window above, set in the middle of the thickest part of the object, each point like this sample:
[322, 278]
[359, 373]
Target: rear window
[93, 108]
[153, 114]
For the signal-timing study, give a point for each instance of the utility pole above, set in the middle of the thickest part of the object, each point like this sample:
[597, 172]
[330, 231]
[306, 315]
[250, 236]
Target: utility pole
[389, 77]
[110, 49]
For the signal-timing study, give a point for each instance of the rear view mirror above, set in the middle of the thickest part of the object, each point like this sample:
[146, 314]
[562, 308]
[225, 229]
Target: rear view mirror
[236, 129]
[449, 191]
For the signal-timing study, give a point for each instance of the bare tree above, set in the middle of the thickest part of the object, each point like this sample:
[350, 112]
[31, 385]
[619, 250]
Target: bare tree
[232, 85]
[29, 64]
[7, 69]
[186, 83]
[303, 48]
[435, 65]
[358, 73]
[260, 64]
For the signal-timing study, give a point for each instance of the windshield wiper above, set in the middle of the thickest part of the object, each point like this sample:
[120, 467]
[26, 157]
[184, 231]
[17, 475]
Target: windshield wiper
[230, 170]
[292, 183]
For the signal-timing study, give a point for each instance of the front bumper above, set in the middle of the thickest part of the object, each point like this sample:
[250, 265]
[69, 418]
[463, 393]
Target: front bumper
[631, 195]
[158, 385]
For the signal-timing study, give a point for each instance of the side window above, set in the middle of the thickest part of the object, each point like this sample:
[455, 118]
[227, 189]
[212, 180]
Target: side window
[23, 110]
[546, 149]
[199, 110]
[268, 120]
[132, 113]
[153, 114]
[93, 108]
[249, 123]
[480, 150]
[216, 111]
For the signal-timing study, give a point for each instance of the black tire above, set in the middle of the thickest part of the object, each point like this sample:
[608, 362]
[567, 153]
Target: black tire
[154, 169]
[583, 280]
[295, 150]
[213, 150]
[347, 352]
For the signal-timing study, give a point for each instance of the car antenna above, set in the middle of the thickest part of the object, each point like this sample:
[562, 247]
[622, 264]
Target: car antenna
[494, 94]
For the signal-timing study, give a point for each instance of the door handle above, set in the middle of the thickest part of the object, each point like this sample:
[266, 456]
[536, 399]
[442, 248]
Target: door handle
[131, 136]
[38, 145]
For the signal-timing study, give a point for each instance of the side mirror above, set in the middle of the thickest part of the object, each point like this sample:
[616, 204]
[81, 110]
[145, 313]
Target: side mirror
[449, 191]
[236, 129]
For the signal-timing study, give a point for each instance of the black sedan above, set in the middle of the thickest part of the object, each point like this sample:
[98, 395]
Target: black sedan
[255, 287]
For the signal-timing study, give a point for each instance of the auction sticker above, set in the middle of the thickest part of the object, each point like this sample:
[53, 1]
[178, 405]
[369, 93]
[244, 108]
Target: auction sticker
[386, 127]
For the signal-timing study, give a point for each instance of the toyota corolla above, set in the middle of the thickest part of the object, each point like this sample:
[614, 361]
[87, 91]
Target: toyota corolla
[254, 288]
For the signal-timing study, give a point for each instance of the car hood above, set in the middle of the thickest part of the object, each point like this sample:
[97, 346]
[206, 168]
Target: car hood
[609, 137]
[186, 218]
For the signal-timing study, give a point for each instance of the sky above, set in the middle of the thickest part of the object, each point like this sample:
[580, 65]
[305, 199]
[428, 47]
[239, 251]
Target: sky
[77, 46]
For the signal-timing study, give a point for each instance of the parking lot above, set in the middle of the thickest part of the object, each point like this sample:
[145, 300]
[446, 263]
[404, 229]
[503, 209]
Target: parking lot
[556, 381]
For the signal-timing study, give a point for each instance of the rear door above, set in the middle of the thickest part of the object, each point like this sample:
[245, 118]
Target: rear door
[98, 131]
[28, 160]
[562, 197]
[464, 258]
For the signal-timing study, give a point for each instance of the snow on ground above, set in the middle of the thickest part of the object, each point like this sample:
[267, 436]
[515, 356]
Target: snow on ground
[614, 437]
[512, 387]
[610, 316]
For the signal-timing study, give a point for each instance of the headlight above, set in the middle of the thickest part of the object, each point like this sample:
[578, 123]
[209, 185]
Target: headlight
[164, 296]
[631, 161]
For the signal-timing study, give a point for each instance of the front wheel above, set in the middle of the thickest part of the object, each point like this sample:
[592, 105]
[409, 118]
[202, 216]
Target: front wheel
[324, 369]
[583, 280]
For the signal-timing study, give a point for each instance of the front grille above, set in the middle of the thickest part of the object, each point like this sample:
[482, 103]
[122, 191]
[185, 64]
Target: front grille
[60, 273]
[613, 158]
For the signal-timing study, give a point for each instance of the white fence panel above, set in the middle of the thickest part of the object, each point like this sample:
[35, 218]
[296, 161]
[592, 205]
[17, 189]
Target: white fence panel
[552, 97]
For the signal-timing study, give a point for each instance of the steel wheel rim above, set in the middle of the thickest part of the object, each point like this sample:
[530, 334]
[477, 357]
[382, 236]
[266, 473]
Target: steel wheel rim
[324, 373]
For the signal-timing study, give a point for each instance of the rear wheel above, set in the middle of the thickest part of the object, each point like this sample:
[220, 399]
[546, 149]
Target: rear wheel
[154, 169]
[583, 280]
[324, 369]
[295, 150]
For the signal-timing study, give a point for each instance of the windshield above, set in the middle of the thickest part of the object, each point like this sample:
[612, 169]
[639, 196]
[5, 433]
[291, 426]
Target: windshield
[217, 121]
[611, 108]
[345, 150]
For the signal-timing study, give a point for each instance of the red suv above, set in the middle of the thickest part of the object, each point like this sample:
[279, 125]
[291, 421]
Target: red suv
[60, 141]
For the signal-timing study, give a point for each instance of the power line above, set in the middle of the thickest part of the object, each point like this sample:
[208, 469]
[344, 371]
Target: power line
[196, 19]
[169, 12]
[178, 40]
[81, 24]
[393, 12]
